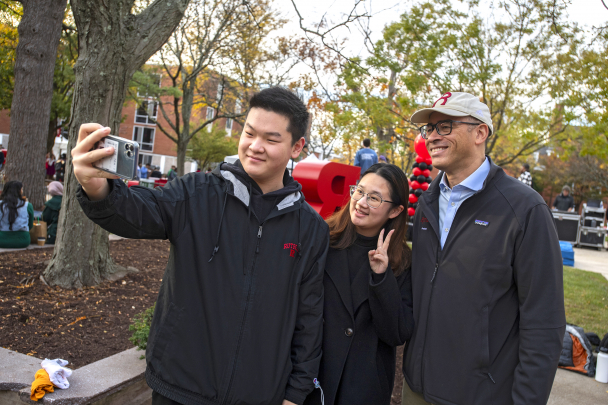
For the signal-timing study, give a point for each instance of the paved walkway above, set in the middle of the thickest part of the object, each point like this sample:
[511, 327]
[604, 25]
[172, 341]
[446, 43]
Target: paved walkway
[591, 259]
[573, 388]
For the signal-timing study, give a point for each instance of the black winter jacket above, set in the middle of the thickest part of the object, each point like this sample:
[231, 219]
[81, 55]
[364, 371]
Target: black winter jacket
[489, 306]
[238, 318]
[364, 322]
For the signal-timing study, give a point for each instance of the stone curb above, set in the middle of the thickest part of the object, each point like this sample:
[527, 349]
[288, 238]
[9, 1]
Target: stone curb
[93, 383]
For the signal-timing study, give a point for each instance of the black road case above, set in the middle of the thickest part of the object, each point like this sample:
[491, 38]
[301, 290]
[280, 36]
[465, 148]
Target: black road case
[593, 237]
[567, 224]
[593, 216]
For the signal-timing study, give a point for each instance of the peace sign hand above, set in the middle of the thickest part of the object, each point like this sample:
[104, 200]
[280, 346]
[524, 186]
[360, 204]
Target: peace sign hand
[378, 259]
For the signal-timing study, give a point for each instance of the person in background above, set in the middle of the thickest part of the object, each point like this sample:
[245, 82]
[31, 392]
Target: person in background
[382, 159]
[368, 292]
[60, 168]
[50, 214]
[50, 166]
[564, 201]
[525, 176]
[156, 172]
[144, 171]
[1, 159]
[138, 171]
[365, 156]
[172, 173]
[16, 217]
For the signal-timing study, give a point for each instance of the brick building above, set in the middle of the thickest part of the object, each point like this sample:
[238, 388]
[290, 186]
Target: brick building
[154, 146]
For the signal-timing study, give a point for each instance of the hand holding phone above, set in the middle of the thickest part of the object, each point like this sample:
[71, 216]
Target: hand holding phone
[92, 179]
[123, 161]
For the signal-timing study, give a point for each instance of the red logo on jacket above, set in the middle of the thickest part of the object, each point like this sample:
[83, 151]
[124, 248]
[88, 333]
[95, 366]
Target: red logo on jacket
[424, 219]
[293, 248]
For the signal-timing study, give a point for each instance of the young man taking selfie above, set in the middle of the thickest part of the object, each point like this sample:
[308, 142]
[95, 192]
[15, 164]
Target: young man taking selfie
[238, 318]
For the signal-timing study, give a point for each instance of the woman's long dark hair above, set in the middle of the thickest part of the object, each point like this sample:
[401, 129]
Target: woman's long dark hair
[342, 232]
[11, 200]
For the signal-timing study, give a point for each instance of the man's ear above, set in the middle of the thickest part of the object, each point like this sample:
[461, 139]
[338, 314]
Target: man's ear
[394, 213]
[296, 149]
[481, 134]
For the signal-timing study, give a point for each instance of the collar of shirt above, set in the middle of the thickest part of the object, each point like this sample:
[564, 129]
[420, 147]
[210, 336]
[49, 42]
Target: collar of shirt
[451, 199]
[474, 182]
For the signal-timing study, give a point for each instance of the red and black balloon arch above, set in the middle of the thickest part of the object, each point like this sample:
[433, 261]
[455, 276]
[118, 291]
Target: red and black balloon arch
[421, 174]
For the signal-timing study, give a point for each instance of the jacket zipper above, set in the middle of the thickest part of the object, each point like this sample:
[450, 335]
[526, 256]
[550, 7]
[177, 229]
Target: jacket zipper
[238, 345]
[426, 329]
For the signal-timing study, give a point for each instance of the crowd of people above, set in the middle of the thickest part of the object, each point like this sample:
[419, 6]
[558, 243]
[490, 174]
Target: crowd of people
[148, 171]
[264, 302]
[55, 169]
[17, 214]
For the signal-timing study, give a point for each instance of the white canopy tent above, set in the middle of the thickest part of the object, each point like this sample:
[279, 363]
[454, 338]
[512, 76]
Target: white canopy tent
[60, 146]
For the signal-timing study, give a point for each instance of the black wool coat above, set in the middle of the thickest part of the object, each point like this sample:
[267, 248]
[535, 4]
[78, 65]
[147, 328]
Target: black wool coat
[363, 324]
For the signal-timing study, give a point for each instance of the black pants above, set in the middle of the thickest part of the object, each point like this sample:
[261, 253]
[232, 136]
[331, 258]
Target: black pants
[158, 399]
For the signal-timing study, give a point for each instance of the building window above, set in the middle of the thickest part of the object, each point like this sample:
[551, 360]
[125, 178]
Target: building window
[229, 126]
[220, 91]
[146, 112]
[237, 107]
[145, 137]
[210, 113]
[144, 159]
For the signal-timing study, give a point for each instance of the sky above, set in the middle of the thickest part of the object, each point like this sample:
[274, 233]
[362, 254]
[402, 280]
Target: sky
[584, 12]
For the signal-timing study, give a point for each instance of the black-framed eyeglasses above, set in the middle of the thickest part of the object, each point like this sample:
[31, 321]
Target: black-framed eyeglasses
[373, 199]
[443, 128]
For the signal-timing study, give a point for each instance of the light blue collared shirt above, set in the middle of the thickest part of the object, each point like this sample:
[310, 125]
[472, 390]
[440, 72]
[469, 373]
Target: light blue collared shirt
[450, 199]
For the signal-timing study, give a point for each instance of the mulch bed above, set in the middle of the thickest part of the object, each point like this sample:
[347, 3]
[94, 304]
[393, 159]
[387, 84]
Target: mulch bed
[80, 326]
[86, 325]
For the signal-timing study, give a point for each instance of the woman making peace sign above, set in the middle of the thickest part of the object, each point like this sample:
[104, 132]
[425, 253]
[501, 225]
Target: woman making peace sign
[368, 294]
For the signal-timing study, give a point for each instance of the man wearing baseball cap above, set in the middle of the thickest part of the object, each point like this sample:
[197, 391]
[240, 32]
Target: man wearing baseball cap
[486, 273]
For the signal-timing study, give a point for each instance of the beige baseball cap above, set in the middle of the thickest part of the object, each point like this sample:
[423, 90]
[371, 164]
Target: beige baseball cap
[456, 104]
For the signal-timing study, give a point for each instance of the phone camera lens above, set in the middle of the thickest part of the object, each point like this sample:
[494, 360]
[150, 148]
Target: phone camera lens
[129, 153]
[127, 146]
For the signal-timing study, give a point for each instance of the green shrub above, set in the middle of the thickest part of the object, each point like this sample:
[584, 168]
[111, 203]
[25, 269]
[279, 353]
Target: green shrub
[141, 328]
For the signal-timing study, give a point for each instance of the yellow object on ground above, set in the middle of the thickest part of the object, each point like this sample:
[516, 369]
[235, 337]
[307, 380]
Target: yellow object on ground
[41, 385]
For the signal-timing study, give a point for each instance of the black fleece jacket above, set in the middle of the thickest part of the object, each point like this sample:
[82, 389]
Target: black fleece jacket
[262, 204]
[238, 318]
[488, 307]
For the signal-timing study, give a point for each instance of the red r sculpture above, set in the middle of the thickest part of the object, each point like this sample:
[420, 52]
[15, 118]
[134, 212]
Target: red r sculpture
[326, 184]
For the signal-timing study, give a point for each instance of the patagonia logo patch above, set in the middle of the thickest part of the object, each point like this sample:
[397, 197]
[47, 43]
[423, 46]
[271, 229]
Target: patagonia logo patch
[482, 223]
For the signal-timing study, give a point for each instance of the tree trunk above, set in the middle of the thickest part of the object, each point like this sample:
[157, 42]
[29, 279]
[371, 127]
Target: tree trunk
[182, 148]
[51, 135]
[113, 44]
[387, 136]
[183, 137]
[39, 34]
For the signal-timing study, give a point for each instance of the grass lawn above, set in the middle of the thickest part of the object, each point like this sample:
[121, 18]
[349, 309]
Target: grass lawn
[586, 299]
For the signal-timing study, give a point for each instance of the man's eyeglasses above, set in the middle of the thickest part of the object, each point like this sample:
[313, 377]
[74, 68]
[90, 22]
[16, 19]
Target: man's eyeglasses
[443, 128]
[373, 199]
